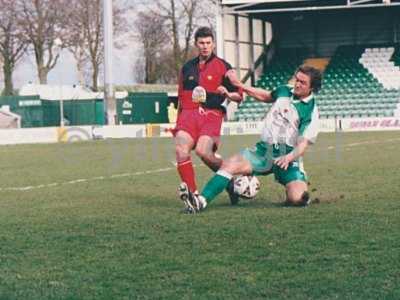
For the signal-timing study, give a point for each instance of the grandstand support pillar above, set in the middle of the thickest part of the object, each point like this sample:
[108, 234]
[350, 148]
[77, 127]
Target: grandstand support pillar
[264, 39]
[316, 36]
[354, 29]
[237, 52]
[61, 110]
[109, 99]
[251, 58]
[220, 30]
[396, 26]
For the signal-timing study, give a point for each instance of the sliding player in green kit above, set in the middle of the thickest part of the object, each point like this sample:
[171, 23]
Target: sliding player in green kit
[290, 126]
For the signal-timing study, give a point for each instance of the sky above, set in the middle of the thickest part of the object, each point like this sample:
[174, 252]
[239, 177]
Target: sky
[65, 70]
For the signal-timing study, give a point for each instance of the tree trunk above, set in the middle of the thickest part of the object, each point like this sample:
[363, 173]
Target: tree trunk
[147, 70]
[8, 83]
[150, 76]
[42, 73]
[79, 55]
[80, 70]
[95, 74]
[41, 69]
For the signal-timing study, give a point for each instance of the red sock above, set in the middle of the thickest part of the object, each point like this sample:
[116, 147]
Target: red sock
[186, 171]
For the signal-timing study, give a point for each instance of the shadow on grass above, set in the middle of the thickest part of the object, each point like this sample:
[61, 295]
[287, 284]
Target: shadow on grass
[249, 204]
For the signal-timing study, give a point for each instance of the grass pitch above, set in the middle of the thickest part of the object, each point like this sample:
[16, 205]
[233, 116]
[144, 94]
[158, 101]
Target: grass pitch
[101, 220]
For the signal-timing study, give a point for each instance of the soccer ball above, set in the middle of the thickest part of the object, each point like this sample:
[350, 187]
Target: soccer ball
[246, 186]
[199, 94]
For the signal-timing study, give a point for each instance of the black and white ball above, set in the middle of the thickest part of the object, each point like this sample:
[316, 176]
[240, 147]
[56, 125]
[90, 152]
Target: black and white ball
[199, 94]
[246, 186]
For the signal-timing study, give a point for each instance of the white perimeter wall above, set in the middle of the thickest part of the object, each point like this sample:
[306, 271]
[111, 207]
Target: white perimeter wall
[84, 133]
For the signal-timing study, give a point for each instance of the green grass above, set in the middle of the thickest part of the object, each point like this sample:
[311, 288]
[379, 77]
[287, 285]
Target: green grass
[125, 238]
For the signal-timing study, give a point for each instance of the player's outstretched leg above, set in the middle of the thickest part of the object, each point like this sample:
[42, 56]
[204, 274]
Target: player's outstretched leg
[214, 186]
[223, 179]
[235, 165]
[206, 149]
[193, 202]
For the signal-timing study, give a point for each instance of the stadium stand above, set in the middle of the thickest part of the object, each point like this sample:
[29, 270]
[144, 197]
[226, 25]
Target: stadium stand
[359, 81]
[352, 88]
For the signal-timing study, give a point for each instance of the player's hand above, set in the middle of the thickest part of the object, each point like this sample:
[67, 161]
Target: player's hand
[284, 161]
[222, 91]
[231, 75]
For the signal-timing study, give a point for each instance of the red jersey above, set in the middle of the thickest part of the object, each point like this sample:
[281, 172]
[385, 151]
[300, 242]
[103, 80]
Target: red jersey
[210, 76]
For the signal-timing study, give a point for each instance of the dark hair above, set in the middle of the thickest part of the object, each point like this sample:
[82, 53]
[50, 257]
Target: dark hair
[314, 74]
[203, 32]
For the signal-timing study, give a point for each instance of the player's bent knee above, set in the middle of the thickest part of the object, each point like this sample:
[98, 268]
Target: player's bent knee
[298, 198]
[293, 199]
[232, 166]
[211, 159]
[202, 153]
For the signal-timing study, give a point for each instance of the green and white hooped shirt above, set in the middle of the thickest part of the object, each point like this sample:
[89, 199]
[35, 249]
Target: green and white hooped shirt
[290, 118]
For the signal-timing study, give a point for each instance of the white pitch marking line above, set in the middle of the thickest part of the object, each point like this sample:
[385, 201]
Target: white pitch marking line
[75, 181]
[121, 175]
[372, 142]
[359, 144]
[28, 188]
[52, 184]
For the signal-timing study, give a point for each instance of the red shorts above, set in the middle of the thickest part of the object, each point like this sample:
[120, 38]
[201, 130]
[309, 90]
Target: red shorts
[198, 122]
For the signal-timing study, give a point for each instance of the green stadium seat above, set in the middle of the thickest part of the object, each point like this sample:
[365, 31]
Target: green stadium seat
[348, 89]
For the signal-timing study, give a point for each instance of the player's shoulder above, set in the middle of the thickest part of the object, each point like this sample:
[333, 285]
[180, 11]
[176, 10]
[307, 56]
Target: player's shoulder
[284, 90]
[223, 62]
[191, 63]
[285, 87]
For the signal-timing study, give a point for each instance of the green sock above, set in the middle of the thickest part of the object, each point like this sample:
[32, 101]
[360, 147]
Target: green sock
[216, 185]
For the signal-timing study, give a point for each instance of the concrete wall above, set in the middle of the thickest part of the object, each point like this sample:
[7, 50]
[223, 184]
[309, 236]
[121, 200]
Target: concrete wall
[85, 133]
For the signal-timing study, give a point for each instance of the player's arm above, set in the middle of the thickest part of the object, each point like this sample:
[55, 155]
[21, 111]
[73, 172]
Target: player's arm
[180, 90]
[228, 90]
[309, 128]
[284, 161]
[232, 96]
[257, 93]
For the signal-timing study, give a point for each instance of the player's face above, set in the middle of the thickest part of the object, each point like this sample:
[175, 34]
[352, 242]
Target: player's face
[302, 85]
[205, 45]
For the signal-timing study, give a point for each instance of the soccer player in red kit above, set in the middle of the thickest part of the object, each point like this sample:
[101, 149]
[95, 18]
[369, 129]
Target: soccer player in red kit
[203, 88]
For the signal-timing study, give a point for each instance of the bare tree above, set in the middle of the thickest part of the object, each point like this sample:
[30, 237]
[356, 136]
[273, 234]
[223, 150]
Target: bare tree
[1, 74]
[181, 17]
[151, 34]
[190, 9]
[76, 44]
[43, 23]
[168, 12]
[12, 42]
[88, 25]
[85, 35]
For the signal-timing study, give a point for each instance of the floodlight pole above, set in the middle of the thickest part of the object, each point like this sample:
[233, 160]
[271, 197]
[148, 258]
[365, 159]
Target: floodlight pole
[61, 113]
[109, 99]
